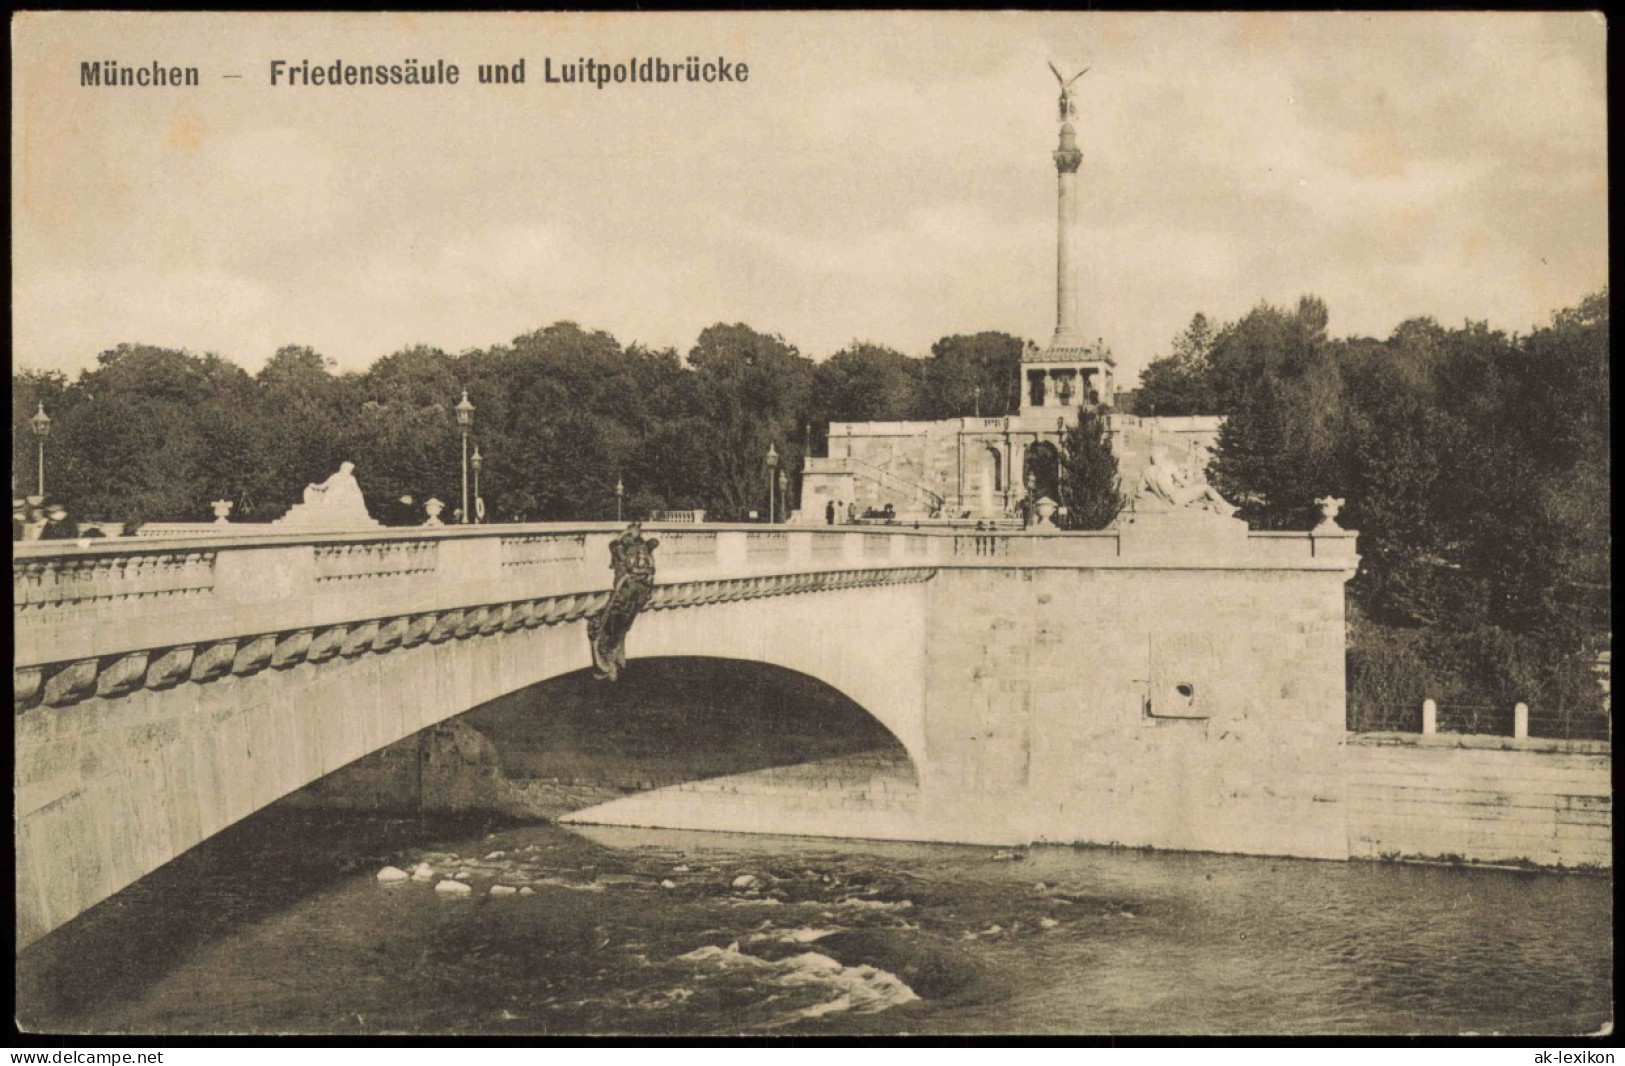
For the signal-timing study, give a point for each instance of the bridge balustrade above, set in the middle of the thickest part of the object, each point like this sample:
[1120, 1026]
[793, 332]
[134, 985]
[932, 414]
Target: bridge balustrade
[681, 551]
[87, 600]
[148, 603]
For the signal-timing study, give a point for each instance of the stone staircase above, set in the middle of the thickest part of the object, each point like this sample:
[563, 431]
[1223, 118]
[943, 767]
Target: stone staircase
[893, 483]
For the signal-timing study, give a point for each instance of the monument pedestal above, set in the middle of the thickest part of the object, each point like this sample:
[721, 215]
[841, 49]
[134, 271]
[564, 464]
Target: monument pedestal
[1182, 531]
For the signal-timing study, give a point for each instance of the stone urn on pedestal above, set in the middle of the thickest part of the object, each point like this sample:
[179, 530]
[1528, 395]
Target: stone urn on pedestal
[1044, 510]
[1329, 507]
[433, 508]
[222, 508]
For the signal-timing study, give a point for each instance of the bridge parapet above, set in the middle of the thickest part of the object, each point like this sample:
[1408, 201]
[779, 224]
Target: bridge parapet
[135, 608]
[99, 617]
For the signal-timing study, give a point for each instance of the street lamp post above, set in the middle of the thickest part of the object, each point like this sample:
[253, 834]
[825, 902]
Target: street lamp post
[479, 511]
[465, 420]
[620, 491]
[784, 493]
[772, 468]
[42, 429]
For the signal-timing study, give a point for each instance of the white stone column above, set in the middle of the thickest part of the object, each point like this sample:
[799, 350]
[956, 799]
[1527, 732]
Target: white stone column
[1067, 160]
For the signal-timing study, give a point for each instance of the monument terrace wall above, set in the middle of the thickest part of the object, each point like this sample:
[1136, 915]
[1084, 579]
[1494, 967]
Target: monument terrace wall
[974, 466]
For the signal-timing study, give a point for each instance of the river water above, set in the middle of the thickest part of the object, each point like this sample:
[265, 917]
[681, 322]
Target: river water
[280, 924]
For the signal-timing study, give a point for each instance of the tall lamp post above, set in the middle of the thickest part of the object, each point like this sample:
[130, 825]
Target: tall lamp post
[465, 420]
[784, 493]
[772, 469]
[620, 491]
[479, 508]
[42, 429]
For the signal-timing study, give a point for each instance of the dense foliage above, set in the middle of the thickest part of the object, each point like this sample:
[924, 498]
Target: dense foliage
[561, 415]
[1476, 467]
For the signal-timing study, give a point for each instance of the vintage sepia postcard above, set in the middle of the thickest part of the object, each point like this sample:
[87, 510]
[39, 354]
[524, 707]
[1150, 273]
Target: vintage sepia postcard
[811, 525]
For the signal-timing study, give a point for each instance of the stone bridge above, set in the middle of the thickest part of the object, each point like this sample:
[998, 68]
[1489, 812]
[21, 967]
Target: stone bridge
[1134, 686]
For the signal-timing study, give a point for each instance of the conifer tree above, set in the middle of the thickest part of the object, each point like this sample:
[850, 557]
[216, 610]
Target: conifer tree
[1090, 487]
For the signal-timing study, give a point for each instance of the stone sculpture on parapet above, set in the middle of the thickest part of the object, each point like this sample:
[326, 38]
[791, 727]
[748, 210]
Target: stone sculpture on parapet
[335, 504]
[1166, 486]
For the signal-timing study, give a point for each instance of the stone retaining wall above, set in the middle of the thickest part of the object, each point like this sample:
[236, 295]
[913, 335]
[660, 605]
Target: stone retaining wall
[1479, 799]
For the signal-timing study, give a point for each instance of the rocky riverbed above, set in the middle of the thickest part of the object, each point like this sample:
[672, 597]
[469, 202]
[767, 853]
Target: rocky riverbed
[294, 922]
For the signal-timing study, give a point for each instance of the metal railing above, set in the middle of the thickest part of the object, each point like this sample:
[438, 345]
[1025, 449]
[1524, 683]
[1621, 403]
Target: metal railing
[1518, 720]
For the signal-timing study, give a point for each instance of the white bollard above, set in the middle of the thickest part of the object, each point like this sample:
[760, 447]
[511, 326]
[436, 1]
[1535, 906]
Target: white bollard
[1520, 721]
[1430, 718]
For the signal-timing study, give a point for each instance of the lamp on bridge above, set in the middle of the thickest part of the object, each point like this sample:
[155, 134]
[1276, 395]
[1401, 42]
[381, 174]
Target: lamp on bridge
[620, 492]
[479, 505]
[784, 494]
[465, 421]
[42, 429]
[772, 467]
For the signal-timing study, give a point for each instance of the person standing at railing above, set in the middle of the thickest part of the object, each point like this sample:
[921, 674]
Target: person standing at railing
[829, 513]
[852, 513]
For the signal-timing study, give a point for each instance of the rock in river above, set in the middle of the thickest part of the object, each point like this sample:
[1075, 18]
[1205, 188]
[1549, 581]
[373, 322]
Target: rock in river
[391, 873]
[449, 887]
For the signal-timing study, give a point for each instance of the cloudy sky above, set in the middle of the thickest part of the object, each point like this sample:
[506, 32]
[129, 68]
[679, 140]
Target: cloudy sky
[879, 177]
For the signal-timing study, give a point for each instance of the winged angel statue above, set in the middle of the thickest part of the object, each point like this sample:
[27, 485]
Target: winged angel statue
[1068, 108]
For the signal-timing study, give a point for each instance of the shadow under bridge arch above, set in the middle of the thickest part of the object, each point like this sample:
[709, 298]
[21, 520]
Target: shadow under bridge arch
[673, 720]
[866, 643]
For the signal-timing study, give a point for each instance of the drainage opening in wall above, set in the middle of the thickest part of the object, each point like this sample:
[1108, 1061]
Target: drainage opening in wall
[1177, 701]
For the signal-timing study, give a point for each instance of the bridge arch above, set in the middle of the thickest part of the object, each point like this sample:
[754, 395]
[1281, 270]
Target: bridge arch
[156, 771]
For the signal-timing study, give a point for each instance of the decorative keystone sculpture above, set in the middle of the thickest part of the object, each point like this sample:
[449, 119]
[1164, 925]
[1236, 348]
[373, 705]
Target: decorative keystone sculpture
[222, 508]
[631, 556]
[1329, 507]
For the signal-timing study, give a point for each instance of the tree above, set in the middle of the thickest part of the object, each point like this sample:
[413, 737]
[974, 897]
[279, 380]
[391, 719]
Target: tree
[302, 430]
[756, 389]
[967, 373]
[1277, 380]
[864, 383]
[152, 434]
[1181, 383]
[1091, 489]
